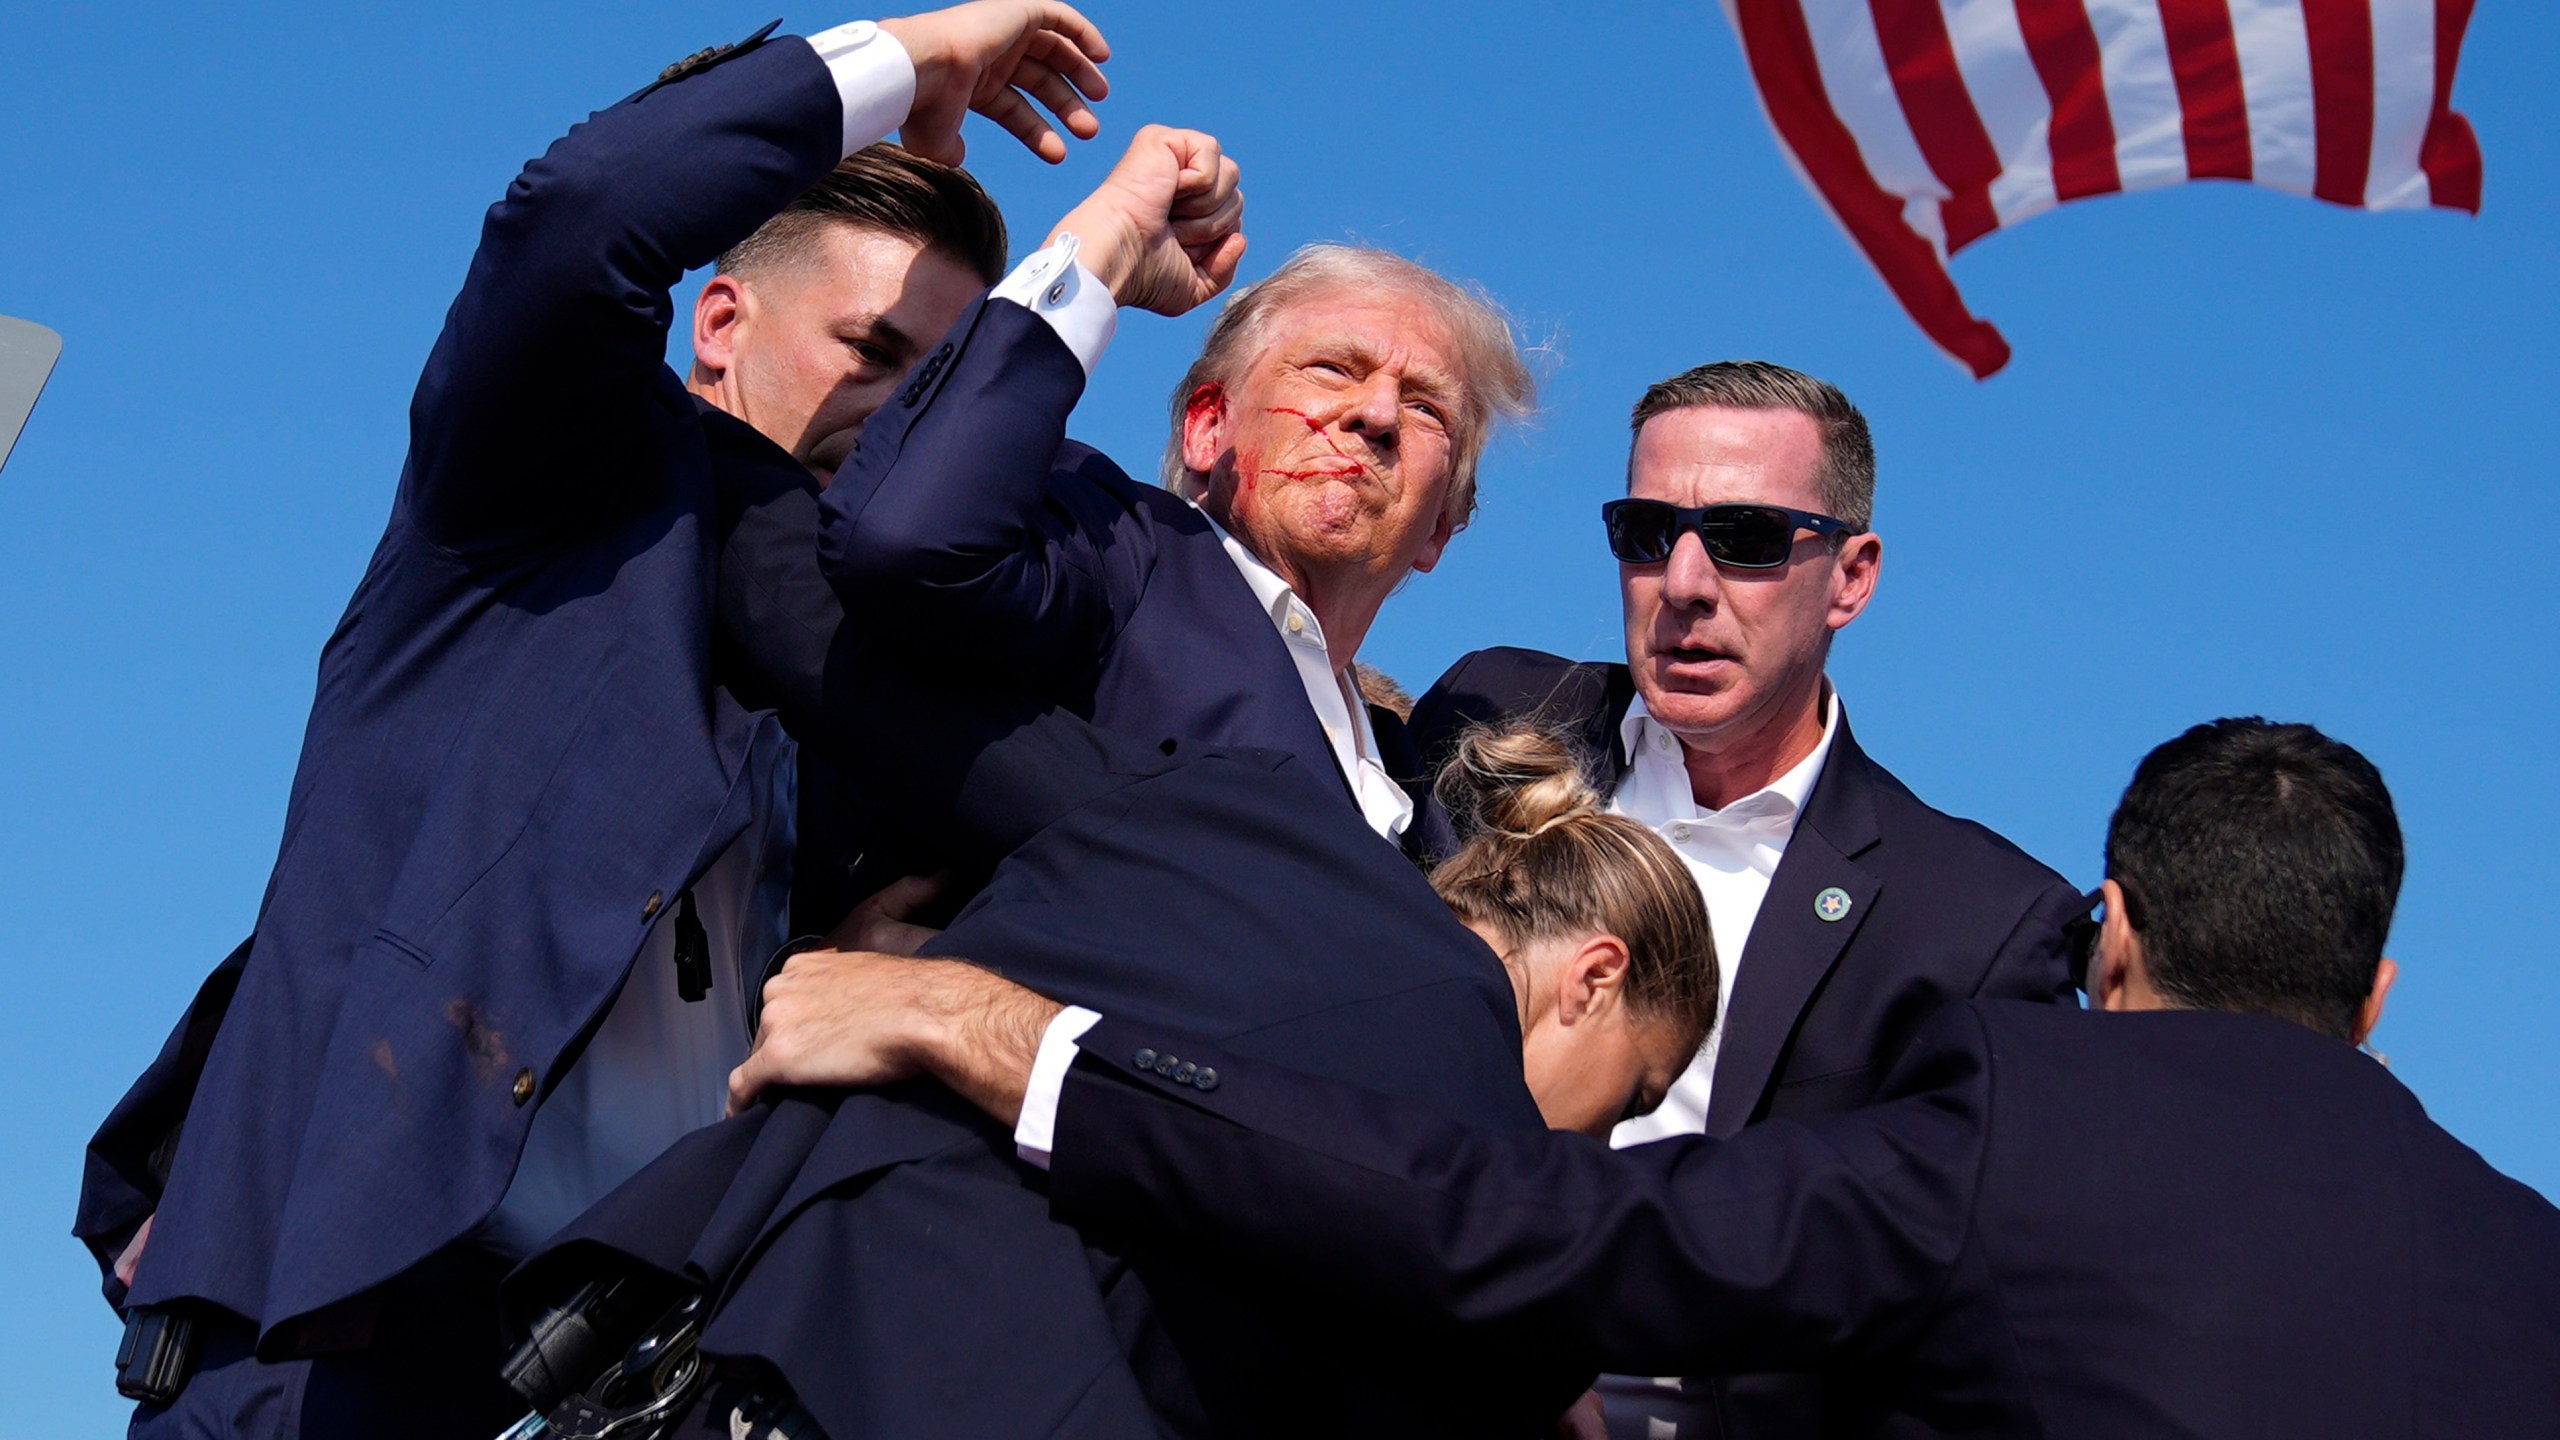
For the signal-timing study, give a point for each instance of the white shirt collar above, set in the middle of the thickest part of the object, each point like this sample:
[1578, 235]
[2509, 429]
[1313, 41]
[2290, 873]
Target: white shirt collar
[1338, 707]
[1273, 593]
[1651, 747]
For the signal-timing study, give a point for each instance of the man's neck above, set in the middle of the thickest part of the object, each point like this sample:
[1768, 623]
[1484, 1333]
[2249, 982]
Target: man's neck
[1346, 600]
[1752, 762]
[717, 392]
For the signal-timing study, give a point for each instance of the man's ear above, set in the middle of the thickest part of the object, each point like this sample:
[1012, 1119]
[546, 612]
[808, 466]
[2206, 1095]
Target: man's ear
[1592, 979]
[717, 314]
[1860, 565]
[1204, 428]
[2114, 969]
[1443, 531]
[2385, 970]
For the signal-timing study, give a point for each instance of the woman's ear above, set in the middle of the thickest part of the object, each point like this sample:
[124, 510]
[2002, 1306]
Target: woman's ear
[1592, 979]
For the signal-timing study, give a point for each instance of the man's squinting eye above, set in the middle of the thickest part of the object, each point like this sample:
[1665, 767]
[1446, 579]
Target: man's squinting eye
[871, 352]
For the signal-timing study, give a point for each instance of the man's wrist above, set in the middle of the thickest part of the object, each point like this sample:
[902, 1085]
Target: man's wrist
[1103, 249]
[979, 1034]
[875, 79]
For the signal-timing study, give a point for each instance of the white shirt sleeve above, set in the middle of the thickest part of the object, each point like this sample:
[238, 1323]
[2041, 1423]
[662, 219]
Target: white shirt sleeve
[1035, 1133]
[1054, 285]
[874, 75]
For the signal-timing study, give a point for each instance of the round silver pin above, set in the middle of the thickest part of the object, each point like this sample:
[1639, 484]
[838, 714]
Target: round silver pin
[1831, 904]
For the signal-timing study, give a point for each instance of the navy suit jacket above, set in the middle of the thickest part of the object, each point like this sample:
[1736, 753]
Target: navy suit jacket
[1939, 908]
[975, 537]
[2055, 1224]
[887, 1254]
[517, 755]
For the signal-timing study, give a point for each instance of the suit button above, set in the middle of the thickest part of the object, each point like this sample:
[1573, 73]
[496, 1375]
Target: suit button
[1144, 1059]
[650, 907]
[1165, 1065]
[523, 1090]
[1184, 1073]
[1205, 1081]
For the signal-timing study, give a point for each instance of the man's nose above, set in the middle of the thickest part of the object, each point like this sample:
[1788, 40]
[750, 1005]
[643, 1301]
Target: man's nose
[1689, 577]
[1374, 409]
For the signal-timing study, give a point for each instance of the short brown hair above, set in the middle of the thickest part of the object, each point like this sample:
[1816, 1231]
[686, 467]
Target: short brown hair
[1548, 860]
[1848, 477]
[882, 187]
[1498, 383]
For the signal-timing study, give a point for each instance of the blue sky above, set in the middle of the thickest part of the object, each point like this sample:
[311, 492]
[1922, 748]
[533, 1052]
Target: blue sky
[2255, 455]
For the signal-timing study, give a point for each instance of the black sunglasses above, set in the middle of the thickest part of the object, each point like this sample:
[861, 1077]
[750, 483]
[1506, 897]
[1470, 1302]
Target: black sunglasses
[1747, 537]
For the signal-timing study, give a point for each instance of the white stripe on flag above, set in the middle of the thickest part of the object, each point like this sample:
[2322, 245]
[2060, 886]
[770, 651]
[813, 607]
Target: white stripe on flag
[1851, 59]
[2404, 97]
[2009, 96]
[2275, 75]
[2142, 93]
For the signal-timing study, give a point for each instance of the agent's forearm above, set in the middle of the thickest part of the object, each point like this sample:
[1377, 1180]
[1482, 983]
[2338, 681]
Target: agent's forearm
[979, 1033]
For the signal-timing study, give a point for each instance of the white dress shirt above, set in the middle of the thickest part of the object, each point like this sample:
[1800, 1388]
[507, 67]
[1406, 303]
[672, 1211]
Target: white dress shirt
[657, 1066]
[1731, 853]
[1336, 701]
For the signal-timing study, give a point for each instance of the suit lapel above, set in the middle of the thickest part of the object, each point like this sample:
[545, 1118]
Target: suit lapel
[1604, 729]
[1792, 947]
[1275, 682]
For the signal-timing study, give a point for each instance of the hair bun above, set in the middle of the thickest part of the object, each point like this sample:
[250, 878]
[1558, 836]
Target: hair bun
[1517, 781]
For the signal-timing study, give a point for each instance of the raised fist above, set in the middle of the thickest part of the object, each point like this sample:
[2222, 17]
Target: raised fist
[1165, 230]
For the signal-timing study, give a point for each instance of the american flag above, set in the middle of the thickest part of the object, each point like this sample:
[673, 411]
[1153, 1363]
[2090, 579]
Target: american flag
[1926, 124]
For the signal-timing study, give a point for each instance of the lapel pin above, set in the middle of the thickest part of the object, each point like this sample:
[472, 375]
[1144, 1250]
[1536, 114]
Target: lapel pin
[1832, 904]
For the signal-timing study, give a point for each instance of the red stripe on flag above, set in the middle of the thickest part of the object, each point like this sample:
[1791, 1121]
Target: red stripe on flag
[1781, 55]
[1922, 61]
[2206, 63]
[2341, 34]
[2083, 137]
[2451, 154]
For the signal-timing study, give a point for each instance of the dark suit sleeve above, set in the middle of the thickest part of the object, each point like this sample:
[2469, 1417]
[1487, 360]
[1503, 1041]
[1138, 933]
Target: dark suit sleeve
[1454, 701]
[2033, 963]
[127, 1166]
[945, 531]
[1784, 1248]
[547, 391]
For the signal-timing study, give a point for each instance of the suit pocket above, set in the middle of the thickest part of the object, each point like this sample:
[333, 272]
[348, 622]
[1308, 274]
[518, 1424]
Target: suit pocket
[396, 950]
[1825, 1094]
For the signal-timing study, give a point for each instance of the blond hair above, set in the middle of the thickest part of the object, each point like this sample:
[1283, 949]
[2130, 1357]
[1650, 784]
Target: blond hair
[1548, 861]
[1497, 384]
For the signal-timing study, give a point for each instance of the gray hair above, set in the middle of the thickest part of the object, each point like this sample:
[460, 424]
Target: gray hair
[1498, 385]
[1848, 475]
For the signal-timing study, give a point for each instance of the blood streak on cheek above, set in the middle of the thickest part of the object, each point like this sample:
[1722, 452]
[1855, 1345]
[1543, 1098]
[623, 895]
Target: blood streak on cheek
[1331, 443]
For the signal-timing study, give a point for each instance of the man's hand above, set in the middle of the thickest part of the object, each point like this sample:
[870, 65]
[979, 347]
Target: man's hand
[881, 923]
[129, 1259]
[841, 1018]
[1586, 1420]
[1165, 230]
[990, 55]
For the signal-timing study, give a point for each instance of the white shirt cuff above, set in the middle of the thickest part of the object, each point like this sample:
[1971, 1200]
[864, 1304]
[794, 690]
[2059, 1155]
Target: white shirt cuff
[874, 76]
[1055, 286]
[1035, 1134]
